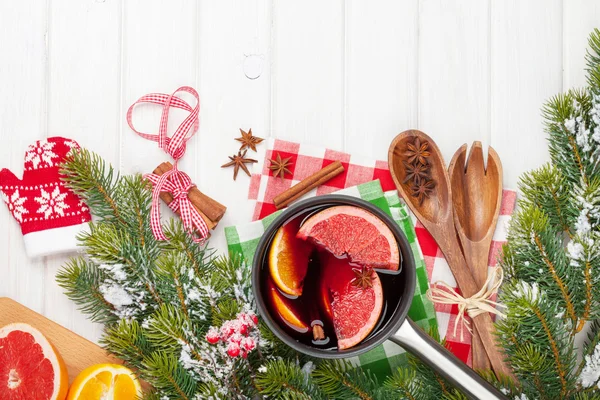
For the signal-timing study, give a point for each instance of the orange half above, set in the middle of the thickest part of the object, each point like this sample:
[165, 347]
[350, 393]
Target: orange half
[105, 382]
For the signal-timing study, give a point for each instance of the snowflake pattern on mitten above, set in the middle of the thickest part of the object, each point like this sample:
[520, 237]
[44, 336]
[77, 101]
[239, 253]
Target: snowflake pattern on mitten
[50, 214]
[40, 154]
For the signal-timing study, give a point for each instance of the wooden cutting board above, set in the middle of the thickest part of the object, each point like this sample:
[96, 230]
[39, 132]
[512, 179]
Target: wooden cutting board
[78, 353]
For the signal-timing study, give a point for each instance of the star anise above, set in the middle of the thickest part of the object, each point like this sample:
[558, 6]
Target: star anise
[248, 141]
[415, 172]
[239, 161]
[280, 167]
[422, 189]
[416, 152]
[363, 277]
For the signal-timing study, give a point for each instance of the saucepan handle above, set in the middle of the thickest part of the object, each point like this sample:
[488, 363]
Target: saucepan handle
[413, 339]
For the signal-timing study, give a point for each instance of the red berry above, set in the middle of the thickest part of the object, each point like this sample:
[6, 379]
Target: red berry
[244, 329]
[244, 354]
[248, 343]
[227, 329]
[212, 336]
[254, 319]
[235, 338]
[233, 349]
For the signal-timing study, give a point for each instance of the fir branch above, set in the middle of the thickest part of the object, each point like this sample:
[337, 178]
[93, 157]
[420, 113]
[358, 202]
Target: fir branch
[177, 283]
[593, 60]
[593, 338]
[590, 361]
[536, 322]
[283, 379]
[208, 390]
[105, 243]
[128, 341]
[546, 189]
[81, 281]
[134, 200]
[506, 385]
[340, 380]
[404, 382]
[568, 121]
[587, 395]
[225, 309]
[589, 299]
[537, 255]
[168, 377]
[169, 328]
[436, 386]
[88, 176]
[179, 240]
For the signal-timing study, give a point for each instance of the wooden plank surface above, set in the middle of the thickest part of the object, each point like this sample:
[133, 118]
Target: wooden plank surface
[580, 18]
[526, 61]
[454, 72]
[381, 75]
[78, 353]
[307, 72]
[233, 71]
[84, 108]
[23, 120]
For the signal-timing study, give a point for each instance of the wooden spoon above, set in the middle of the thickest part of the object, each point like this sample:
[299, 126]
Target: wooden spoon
[476, 196]
[436, 214]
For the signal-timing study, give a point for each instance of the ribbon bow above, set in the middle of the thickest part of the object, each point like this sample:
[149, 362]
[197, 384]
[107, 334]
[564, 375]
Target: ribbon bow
[473, 306]
[176, 182]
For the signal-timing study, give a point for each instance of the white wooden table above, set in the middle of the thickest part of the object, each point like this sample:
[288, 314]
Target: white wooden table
[344, 74]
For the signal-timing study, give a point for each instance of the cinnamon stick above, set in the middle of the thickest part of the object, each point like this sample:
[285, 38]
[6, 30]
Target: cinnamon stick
[318, 332]
[211, 208]
[308, 184]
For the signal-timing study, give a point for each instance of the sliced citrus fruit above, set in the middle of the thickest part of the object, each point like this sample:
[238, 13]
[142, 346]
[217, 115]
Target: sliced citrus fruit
[355, 308]
[288, 259]
[285, 310]
[30, 367]
[105, 382]
[356, 233]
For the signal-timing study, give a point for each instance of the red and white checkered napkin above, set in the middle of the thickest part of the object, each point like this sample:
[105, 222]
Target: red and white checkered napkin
[309, 159]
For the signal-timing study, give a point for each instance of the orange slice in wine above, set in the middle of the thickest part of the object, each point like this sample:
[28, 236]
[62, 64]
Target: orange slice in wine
[288, 259]
[284, 309]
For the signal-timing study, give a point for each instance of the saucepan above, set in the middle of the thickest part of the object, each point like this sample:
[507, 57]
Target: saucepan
[397, 327]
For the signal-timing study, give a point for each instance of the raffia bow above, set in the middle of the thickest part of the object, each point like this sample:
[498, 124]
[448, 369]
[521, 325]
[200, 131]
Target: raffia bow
[479, 303]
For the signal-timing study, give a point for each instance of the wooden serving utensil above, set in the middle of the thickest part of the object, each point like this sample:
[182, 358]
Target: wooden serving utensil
[436, 214]
[476, 196]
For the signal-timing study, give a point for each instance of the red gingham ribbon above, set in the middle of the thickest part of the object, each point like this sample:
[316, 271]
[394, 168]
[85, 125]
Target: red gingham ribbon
[176, 182]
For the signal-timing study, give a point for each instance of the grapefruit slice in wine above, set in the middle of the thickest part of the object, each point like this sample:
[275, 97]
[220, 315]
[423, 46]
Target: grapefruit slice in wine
[288, 259]
[353, 307]
[353, 232]
[30, 367]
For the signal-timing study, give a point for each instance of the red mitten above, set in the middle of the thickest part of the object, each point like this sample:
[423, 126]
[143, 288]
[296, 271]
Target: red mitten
[50, 215]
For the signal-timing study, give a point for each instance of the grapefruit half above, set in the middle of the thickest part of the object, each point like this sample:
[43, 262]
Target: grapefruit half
[354, 310]
[353, 232]
[30, 367]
